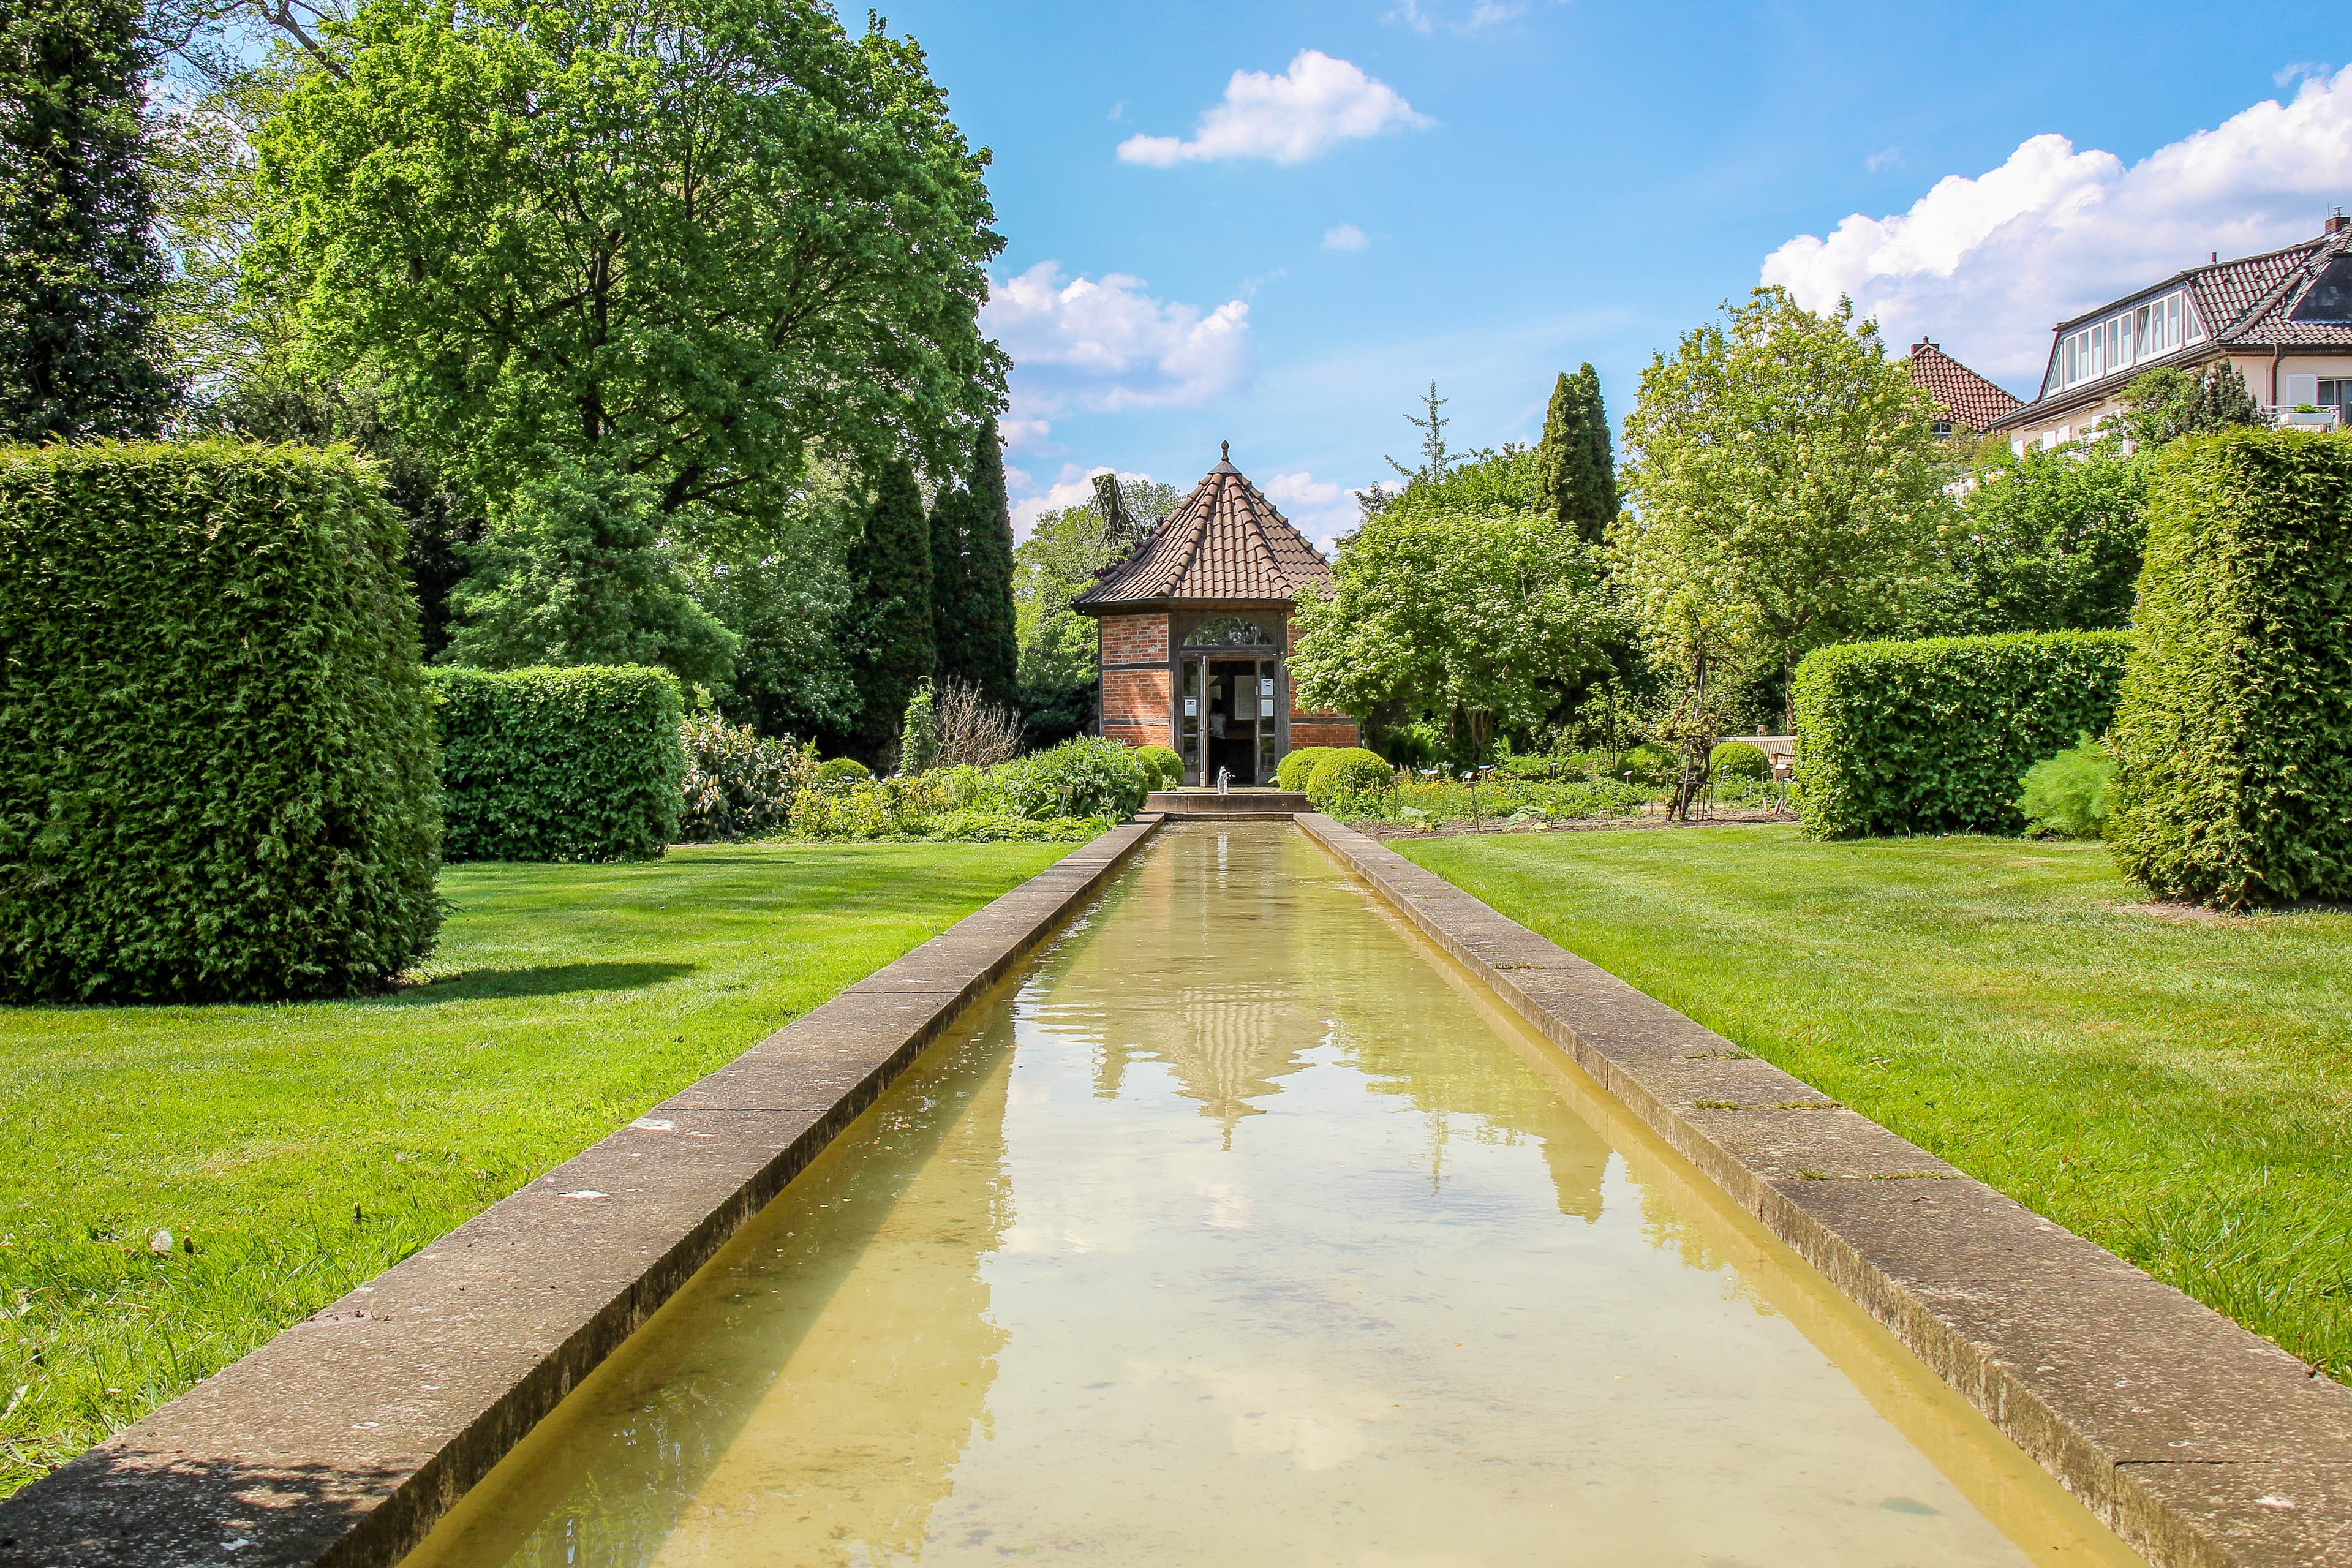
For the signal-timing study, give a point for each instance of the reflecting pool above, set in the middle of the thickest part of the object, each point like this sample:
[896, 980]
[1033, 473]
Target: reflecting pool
[1244, 1228]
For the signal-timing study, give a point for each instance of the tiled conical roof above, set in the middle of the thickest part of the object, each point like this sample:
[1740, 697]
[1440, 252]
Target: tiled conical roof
[1224, 544]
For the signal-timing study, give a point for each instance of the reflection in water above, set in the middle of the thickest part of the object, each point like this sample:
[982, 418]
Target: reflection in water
[1243, 1231]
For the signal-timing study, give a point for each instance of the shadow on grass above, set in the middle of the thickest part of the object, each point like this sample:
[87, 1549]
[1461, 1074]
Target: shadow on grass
[548, 980]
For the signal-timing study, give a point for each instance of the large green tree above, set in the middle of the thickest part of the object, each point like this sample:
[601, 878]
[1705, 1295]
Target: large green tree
[1784, 467]
[1576, 459]
[575, 570]
[681, 240]
[889, 620]
[1490, 619]
[80, 275]
[952, 524]
[2043, 542]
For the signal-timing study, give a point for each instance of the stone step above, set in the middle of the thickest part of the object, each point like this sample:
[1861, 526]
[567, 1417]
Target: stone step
[1234, 802]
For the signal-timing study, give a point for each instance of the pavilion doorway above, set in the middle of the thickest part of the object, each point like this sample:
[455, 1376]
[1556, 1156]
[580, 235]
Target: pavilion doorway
[1237, 729]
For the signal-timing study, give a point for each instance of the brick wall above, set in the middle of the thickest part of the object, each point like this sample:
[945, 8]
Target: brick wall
[1317, 727]
[1135, 639]
[1135, 703]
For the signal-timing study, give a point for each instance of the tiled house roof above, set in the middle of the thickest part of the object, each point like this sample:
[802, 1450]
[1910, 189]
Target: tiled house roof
[1226, 543]
[2246, 304]
[1966, 397]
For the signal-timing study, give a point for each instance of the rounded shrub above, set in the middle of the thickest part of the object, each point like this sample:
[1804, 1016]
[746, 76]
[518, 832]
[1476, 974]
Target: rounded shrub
[1349, 770]
[1090, 776]
[1164, 766]
[833, 769]
[1739, 760]
[1292, 773]
[1649, 764]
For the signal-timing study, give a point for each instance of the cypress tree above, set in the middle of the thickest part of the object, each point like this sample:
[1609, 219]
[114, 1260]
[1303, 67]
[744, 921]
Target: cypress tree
[1576, 462]
[891, 573]
[79, 274]
[992, 647]
[950, 623]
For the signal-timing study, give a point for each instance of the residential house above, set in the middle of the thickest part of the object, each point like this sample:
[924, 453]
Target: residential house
[1964, 400]
[2284, 319]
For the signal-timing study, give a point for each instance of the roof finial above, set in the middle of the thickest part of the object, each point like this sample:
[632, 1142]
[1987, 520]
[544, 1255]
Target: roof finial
[1224, 451]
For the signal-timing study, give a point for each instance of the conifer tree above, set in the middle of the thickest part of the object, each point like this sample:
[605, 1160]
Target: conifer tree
[952, 512]
[991, 652]
[1575, 460]
[79, 273]
[890, 615]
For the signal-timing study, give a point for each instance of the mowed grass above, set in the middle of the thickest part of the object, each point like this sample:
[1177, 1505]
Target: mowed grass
[2180, 1090]
[298, 1150]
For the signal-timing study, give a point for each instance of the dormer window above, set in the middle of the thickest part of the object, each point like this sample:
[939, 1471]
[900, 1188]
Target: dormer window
[2330, 298]
[2144, 331]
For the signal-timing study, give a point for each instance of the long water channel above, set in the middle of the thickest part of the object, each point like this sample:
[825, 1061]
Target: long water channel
[1243, 1228]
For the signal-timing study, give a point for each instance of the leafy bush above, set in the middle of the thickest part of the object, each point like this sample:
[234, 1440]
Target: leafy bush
[1436, 800]
[1090, 776]
[919, 731]
[1932, 736]
[1649, 764]
[578, 763]
[993, 827]
[217, 777]
[1347, 770]
[1296, 766]
[738, 783]
[1165, 767]
[835, 770]
[2067, 794]
[1739, 760]
[2234, 739]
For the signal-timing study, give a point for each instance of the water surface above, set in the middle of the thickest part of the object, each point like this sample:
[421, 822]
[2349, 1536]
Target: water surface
[1243, 1228]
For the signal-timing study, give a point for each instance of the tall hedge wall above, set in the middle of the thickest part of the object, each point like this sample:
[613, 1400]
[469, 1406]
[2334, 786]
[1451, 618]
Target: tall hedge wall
[581, 764]
[2234, 745]
[1933, 736]
[216, 764]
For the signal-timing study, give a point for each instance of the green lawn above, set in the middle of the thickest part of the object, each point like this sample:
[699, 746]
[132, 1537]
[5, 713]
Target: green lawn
[2177, 1090]
[300, 1149]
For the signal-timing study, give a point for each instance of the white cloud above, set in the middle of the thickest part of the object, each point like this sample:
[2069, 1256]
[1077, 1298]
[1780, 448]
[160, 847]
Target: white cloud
[1321, 509]
[1345, 236]
[1986, 265]
[1107, 345]
[1024, 434]
[1884, 158]
[1426, 20]
[2286, 74]
[1303, 113]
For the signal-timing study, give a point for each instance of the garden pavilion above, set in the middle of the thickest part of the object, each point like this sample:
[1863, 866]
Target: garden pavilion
[1195, 628]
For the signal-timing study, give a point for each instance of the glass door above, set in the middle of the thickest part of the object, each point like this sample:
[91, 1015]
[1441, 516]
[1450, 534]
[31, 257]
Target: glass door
[1189, 706]
[1269, 685]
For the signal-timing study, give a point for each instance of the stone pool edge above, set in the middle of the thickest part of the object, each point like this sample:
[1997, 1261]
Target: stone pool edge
[2199, 1443]
[342, 1440]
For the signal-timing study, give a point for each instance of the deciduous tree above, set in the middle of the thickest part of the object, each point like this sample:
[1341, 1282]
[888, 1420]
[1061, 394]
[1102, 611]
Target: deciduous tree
[677, 240]
[2043, 542]
[1782, 465]
[1488, 618]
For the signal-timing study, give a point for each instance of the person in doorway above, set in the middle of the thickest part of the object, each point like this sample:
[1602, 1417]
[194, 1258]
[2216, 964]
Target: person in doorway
[1216, 740]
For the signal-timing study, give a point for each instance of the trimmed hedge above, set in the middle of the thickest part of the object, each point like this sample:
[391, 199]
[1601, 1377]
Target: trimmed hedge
[1739, 760]
[2233, 744]
[580, 763]
[217, 771]
[1933, 736]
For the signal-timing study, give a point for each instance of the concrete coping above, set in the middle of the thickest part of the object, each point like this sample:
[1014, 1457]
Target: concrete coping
[2196, 1441]
[344, 1440]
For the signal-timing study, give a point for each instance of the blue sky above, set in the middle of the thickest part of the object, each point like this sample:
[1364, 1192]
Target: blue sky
[1488, 192]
